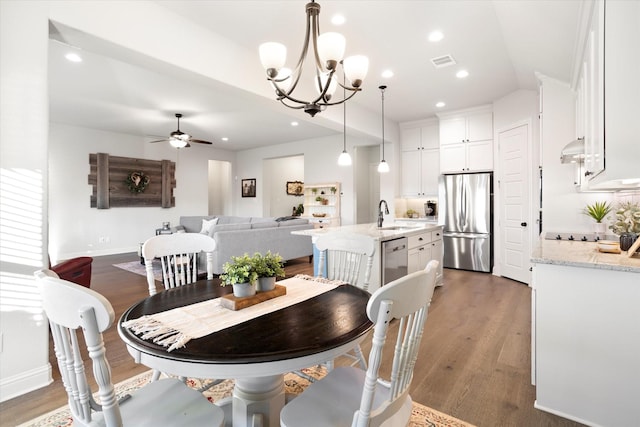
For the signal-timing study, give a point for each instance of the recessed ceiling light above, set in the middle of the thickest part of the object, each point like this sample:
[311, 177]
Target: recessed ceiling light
[294, 123]
[435, 36]
[440, 104]
[225, 139]
[462, 74]
[338, 19]
[387, 74]
[73, 57]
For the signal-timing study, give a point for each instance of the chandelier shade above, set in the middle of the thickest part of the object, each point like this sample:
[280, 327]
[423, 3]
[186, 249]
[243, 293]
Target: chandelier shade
[327, 50]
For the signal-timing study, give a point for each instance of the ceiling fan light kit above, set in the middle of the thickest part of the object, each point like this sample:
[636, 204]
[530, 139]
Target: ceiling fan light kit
[328, 51]
[179, 139]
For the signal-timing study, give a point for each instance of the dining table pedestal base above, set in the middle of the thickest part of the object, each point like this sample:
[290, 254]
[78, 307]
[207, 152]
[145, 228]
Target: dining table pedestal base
[256, 402]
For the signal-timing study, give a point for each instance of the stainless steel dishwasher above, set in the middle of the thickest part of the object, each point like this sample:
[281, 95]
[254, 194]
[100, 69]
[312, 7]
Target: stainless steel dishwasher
[394, 259]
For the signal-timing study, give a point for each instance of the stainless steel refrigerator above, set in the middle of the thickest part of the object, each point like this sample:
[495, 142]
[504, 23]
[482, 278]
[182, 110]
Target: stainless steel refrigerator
[468, 220]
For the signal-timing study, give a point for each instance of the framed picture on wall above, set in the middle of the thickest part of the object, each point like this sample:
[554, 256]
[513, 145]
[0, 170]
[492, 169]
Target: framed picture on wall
[249, 187]
[295, 188]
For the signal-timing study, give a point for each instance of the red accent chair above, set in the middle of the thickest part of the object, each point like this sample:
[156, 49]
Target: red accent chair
[76, 270]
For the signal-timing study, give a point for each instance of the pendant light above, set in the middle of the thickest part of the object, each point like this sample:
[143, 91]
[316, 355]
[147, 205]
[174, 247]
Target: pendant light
[344, 159]
[383, 167]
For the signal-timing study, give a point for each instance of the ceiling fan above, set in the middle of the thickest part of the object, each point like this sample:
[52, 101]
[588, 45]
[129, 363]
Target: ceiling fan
[179, 139]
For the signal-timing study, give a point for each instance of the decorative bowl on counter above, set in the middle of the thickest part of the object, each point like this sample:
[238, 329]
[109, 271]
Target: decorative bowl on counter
[608, 246]
[319, 215]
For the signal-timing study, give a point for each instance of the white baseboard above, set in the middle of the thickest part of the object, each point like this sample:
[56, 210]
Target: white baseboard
[113, 251]
[25, 382]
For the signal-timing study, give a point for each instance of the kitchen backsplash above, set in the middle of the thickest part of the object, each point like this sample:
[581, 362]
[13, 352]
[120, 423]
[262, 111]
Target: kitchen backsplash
[403, 205]
[623, 197]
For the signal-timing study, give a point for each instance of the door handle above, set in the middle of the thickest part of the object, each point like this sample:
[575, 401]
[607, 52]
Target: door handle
[523, 224]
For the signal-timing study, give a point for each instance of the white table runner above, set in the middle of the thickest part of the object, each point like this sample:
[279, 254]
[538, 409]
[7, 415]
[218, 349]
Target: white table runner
[175, 328]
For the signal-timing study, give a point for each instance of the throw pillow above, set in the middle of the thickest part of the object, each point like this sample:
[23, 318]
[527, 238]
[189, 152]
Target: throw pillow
[207, 225]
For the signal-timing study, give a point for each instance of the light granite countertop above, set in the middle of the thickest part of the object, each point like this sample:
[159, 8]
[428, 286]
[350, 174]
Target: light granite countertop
[582, 254]
[387, 232]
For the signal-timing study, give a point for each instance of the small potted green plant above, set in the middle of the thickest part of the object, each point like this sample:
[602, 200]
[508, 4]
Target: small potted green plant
[314, 190]
[411, 213]
[598, 211]
[333, 190]
[319, 199]
[269, 267]
[241, 274]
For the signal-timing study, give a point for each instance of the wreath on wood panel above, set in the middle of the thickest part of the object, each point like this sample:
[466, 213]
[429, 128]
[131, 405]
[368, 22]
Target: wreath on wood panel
[137, 182]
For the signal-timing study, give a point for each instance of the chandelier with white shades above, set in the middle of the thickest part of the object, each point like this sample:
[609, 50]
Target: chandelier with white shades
[328, 52]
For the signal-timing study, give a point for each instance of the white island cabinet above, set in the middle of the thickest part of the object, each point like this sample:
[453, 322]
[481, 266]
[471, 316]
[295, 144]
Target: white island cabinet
[586, 333]
[380, 235]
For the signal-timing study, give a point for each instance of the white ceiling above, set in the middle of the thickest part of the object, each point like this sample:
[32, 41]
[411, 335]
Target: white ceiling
[501, 43]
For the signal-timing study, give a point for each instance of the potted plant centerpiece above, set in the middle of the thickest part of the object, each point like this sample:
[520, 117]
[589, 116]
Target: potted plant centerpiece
[268, 267]
[598, 211]
[241, 274]
[627, 224]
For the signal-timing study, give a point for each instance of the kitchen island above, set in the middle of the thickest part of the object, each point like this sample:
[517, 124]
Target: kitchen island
[424, 241]
[585, 333]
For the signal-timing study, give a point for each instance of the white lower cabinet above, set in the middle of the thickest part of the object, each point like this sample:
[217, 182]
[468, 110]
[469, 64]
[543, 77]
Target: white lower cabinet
[585, 343]
[423, 248]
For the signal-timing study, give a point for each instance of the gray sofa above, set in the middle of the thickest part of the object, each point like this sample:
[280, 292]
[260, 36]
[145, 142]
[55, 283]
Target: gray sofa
[235, 236]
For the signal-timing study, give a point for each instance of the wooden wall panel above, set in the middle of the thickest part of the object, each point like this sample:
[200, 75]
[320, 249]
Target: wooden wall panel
[108, 175]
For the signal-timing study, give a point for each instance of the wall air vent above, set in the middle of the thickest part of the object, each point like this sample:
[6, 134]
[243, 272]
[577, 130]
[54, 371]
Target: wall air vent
[443, 61]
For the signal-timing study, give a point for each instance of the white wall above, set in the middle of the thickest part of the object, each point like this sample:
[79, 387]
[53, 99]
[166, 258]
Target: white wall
[24, 117]
[220, 200]
[276, 174]
[76, 228]
[320, 166]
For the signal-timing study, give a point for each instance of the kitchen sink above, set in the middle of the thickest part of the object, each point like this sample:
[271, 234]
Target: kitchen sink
[397, 227]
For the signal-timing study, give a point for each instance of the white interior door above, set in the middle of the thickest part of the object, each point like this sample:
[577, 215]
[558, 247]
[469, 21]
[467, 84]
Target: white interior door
[515, 212]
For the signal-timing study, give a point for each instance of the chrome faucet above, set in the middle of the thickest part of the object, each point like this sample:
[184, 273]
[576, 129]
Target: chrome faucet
[380, 215]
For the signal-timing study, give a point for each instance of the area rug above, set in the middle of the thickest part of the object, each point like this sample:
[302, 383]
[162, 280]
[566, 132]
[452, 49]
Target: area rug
[137, 268]
[421, 416]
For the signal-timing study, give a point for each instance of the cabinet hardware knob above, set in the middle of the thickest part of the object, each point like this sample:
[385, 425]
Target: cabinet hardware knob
[587, 173]
[524, 224]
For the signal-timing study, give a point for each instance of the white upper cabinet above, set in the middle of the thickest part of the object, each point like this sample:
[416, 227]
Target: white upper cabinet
[607, 91]
[592, 86]
[420, 158]
[466, 141]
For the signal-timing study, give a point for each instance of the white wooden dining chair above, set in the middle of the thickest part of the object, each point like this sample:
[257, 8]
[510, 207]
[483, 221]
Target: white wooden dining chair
[348, 396]
[347, 257]
[178, 254]
[70, 307]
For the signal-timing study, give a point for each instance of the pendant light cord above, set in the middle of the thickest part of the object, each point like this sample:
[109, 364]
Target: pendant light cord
[382, 88]
[344, 114]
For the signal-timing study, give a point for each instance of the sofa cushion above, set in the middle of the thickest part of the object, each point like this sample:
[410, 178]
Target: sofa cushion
[264, 224]
[193, 224]
[207, 224]
[257, 219]
[234, 220]
[291, 222]
[228, 227]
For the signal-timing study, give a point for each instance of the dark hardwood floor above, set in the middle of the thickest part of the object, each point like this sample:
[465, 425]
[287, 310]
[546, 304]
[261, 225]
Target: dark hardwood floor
[474, 364]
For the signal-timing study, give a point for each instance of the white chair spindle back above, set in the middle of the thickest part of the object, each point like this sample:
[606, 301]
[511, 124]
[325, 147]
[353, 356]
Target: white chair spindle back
[343, 255]
[178, 255]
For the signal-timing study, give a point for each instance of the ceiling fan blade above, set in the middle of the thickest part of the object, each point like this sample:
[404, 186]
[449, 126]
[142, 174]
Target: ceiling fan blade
[199, 141]
[159, 140]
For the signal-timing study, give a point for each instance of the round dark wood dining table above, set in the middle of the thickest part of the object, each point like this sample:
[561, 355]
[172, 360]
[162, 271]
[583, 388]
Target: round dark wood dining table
[258, 352]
